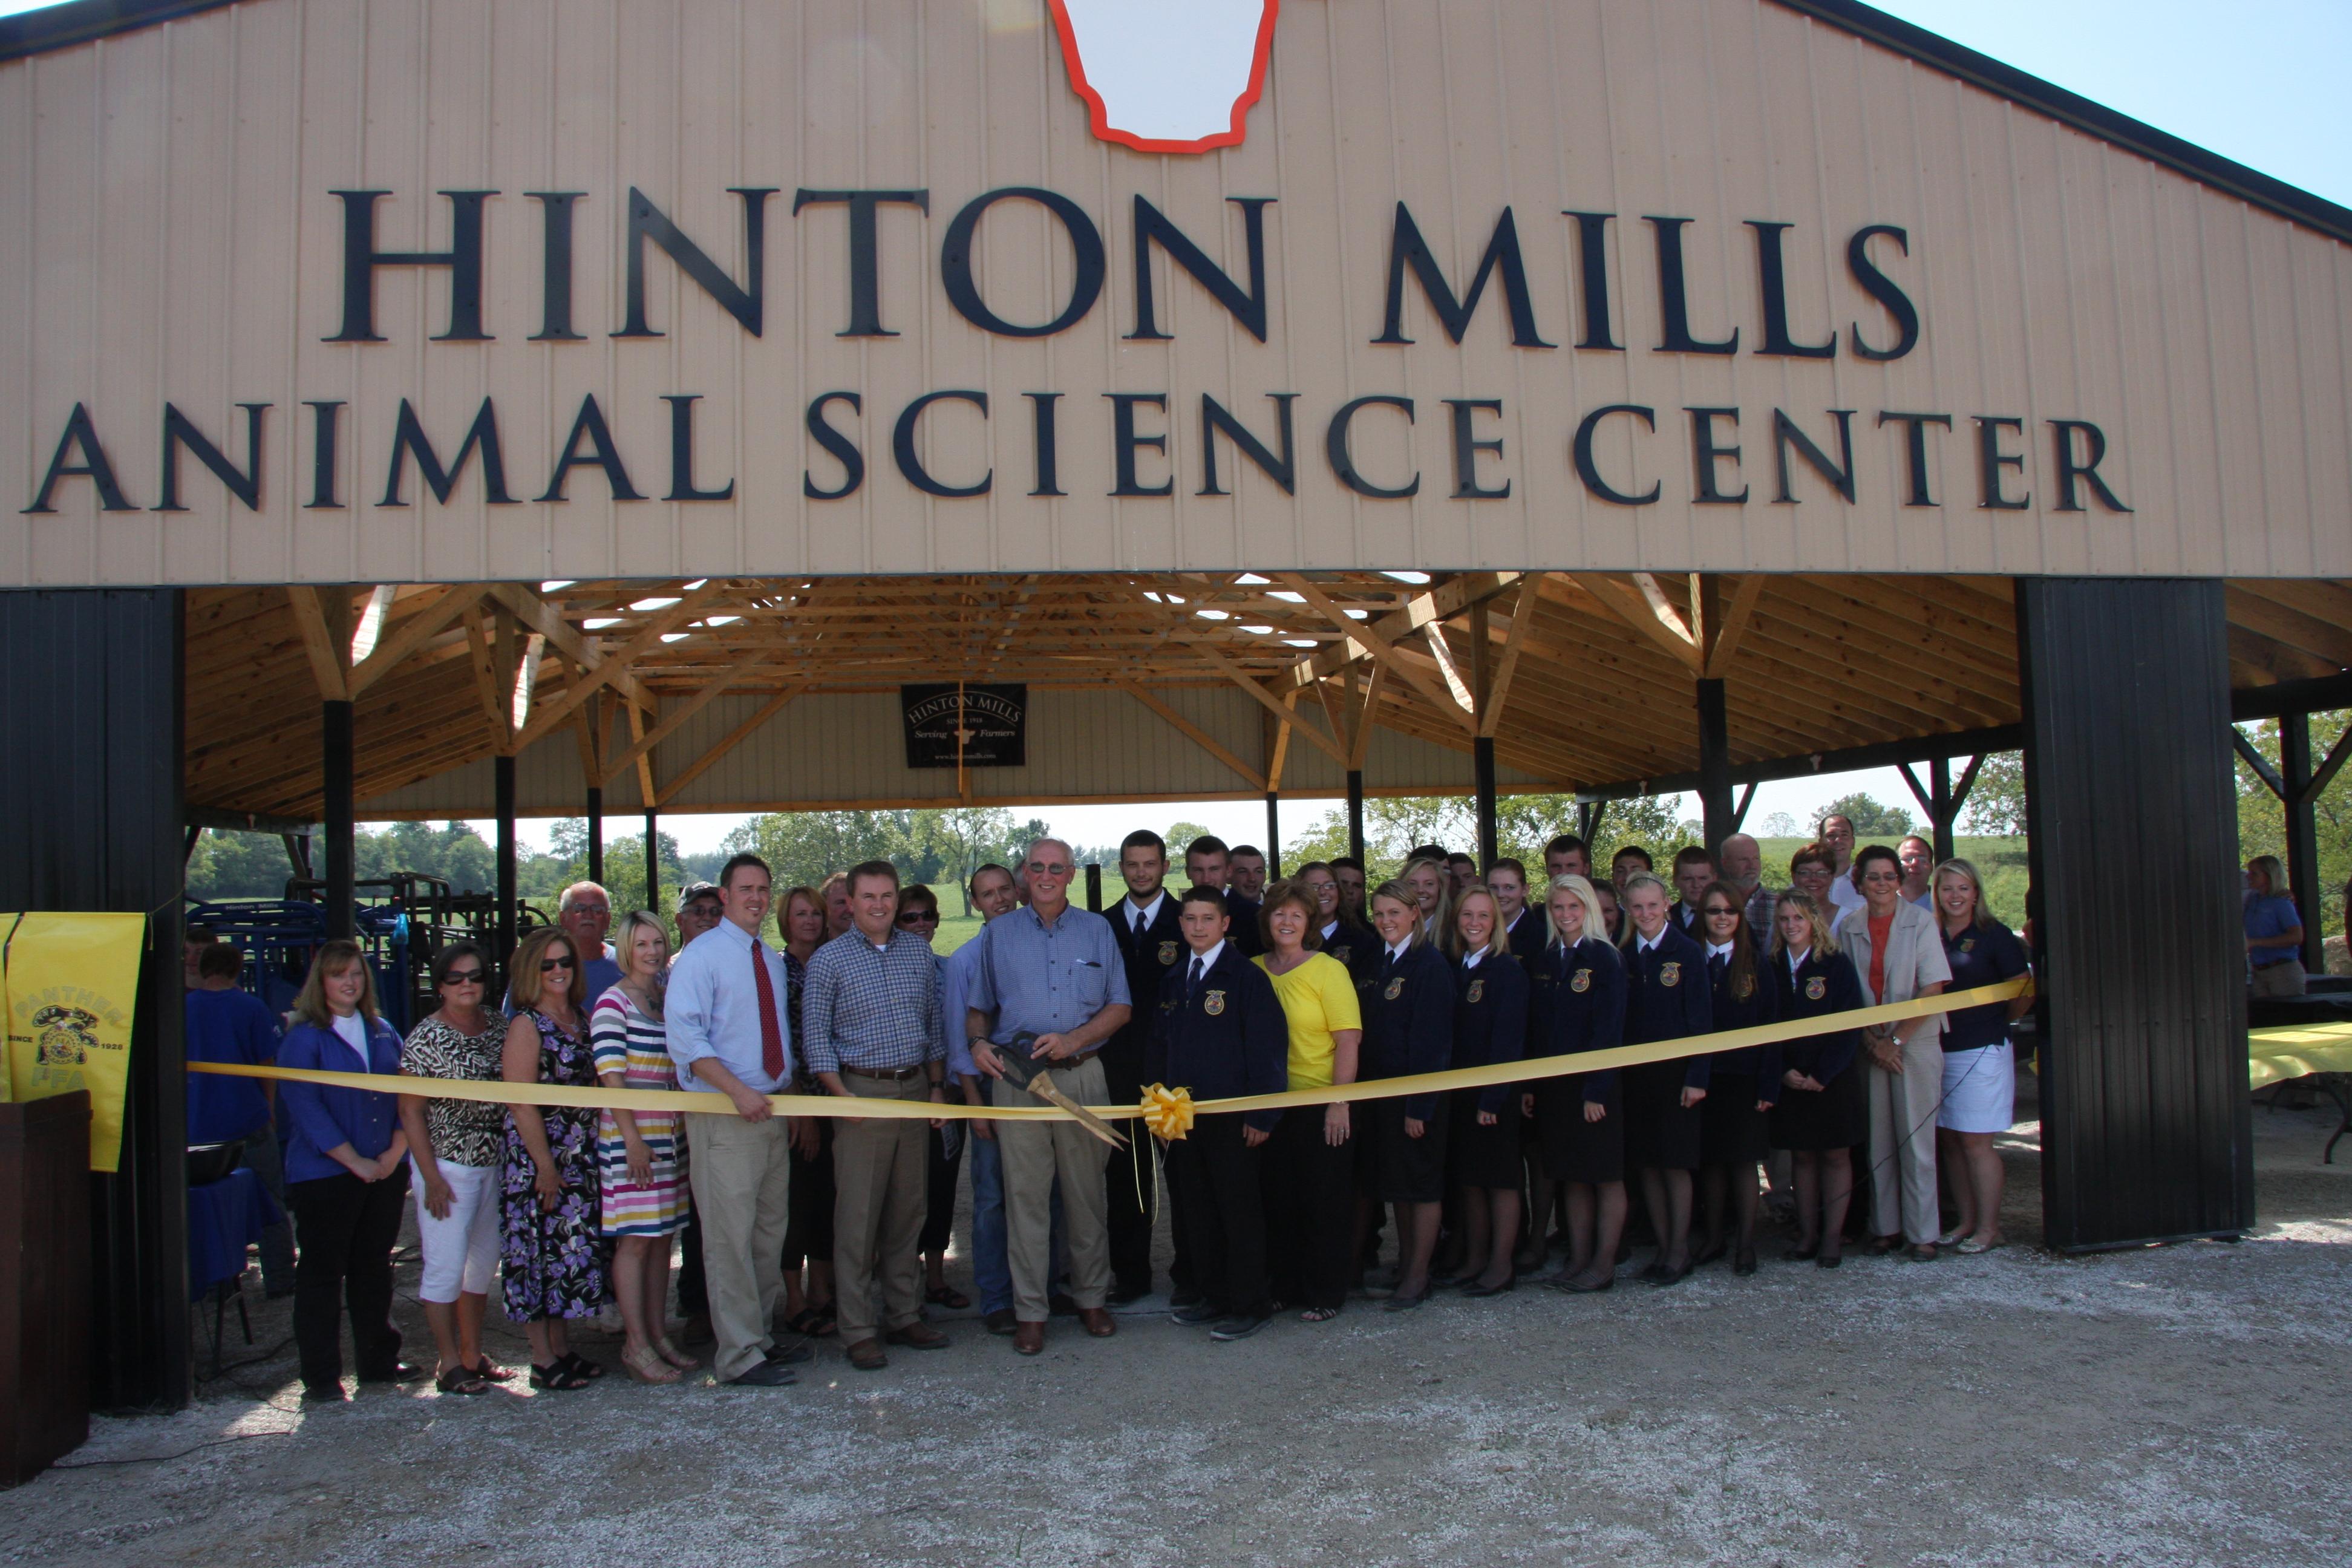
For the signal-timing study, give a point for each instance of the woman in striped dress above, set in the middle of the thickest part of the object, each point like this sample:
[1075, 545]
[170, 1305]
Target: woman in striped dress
[640, 1155]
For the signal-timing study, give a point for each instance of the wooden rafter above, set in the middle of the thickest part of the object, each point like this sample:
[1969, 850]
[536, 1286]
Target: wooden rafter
[1507, 668]
[327, 662]
[437, 614]
[1385, 650]
[680, 714]
[1194, 733]
[1723, 639]
[1640, 609]
[725, 743]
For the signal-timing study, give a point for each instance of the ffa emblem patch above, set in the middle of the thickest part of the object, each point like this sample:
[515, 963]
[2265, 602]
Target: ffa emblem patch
[1816, 988]
[1212, 1003]
[1669, 975]
[1967, 944]
[1395, 990]
[1580, 981]
[1477, 990]
[1167, 953]
[1341, 953]
[64, 1037]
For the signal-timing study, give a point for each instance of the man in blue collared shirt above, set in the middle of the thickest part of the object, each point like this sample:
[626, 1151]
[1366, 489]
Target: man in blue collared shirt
[870, 1007]
[730, 1033]
[993, 894]
[1053, 972]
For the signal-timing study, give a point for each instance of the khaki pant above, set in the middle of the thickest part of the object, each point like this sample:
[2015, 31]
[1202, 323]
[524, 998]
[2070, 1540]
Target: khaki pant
[1034, 1153]
[881, 1185]
[1903, 1141]
[2279, 979]
[740, 1174]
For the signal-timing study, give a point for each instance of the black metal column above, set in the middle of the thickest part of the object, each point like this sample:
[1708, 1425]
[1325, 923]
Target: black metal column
[1355, 814]
[502, 788]
[1273, 835]
[596, 834]
[1481, 763]
[338, 814]
[91, 819]
[2146, 1114]
[2299, 806]
[653, 864]
[1941, 808]
[1714, 766]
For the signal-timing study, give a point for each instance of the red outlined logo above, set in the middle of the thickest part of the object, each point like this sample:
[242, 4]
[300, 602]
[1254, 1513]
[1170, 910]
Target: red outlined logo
[1178, 77]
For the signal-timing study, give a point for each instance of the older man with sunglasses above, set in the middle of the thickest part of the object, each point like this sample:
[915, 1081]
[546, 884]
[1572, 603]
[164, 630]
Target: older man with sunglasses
[1051, 977]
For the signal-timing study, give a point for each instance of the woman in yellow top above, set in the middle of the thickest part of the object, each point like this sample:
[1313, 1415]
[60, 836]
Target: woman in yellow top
[1310, 1169]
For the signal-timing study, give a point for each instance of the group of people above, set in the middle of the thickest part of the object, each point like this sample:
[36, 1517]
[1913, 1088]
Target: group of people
[791, 1228]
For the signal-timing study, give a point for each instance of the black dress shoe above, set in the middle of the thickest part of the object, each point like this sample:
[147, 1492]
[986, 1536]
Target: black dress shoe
[1126, 1294]
[1828, 1260]
[1240, 1326]
[399, 1372]
[1802, 1254]
[1662, 1277]
[765, 1374]
[1475, 1291]
[1183, 1297]
[1196, 1314]
[1702, 1260]
[1745, 1264]
[790, 1355]
[326, 1393]
[999, 1321]
[1588, 1287]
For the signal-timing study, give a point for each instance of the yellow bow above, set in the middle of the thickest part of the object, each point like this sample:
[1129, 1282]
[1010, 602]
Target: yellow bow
[1168, 1112]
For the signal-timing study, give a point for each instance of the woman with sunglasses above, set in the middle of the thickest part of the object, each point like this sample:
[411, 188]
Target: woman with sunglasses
[555, 1267]
[456, 1147]
[1733, 1138]
[640, 1154]
[808, 1235]
[919, 913]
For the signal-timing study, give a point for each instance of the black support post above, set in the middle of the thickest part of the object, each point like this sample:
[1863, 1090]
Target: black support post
[596, 834]
[338, 815]
[1355, 814]
[2299, 805]
[1273, 835]
[1482, 763]
[2145, 1114]
[95, 824]
[653, 863]
[502, 786]
[1715, 766]
[1094, 887]
[1941, 808]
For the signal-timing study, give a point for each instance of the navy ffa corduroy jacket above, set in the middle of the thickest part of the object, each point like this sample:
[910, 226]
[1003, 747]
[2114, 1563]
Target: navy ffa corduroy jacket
[1408, 1007]
[1667, 997]
[1578, 1005]
[1490, 1022]
[1820, 984]
[1225, 1036]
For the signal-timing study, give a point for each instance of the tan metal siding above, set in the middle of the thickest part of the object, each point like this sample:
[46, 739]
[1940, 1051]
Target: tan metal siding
[169, 233]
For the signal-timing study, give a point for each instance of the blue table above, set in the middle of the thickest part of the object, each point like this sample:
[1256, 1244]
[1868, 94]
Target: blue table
[224, 1217]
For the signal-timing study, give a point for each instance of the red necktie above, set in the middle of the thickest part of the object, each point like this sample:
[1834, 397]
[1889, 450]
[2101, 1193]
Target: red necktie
[771, 1034]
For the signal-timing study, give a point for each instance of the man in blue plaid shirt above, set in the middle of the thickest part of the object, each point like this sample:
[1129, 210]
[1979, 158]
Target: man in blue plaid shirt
[870, 1028]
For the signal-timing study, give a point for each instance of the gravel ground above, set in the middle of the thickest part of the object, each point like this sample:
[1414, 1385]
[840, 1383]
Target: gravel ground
[2180, 1405]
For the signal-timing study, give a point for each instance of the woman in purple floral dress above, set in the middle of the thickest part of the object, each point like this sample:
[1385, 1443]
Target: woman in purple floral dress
[554, 1258]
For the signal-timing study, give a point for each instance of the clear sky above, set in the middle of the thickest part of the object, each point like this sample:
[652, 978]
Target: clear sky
[2260, 81]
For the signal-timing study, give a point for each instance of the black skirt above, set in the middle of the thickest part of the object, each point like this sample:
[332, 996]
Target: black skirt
[1659, 1129]
[1732, 1132]
[1483, 1156]
[1575, 1150]
[1397, 1169]
[1833, 1117]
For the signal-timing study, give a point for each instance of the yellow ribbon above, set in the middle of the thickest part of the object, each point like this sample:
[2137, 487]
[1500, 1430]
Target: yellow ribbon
[1168, 1112]
[1527, 1071]
[2295, 1050]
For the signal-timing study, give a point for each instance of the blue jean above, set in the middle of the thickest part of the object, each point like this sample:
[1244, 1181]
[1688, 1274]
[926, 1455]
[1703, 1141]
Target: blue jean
[992, 1266]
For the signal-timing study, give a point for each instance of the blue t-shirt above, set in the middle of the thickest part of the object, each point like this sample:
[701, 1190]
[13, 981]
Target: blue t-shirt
[233, 1026]
[1984, 954]
[2273, 915]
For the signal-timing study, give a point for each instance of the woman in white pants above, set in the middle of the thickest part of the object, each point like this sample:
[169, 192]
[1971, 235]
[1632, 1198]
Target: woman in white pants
[1898, 954]
[1979, 1072]
[457, 1147]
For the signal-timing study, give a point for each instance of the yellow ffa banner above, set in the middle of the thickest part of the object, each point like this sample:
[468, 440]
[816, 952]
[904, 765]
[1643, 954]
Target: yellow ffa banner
[70, 982]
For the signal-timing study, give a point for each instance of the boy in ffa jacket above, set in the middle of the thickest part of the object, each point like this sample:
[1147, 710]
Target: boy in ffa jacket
[1221, 1033]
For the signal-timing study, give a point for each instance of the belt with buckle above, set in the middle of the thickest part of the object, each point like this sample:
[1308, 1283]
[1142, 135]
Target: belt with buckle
[888, 1075]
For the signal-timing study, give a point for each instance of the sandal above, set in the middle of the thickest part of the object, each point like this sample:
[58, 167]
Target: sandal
[683, 1359]
[461, 1380]
[559, 1378]
[823, 1320]
[489, 1371]
[803, 1322]
[947, 1296]
[647, 1365]
[1318, 1314]
[582, 1366]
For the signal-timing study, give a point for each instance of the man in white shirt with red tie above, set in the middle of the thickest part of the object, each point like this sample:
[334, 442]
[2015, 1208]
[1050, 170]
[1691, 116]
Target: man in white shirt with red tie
[730, 1033]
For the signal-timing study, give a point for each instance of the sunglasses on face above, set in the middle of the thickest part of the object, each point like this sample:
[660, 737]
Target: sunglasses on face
[1888, 877]
[1055, 870]
[917, 917]
[550, 965]
[1716, 911]
[463, 977]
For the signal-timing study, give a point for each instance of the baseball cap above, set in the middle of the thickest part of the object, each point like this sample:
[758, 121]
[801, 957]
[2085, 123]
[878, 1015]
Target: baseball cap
[694, 891]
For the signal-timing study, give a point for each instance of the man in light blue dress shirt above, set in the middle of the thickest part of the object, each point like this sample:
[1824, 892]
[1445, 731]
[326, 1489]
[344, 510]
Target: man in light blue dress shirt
[730, 1033]
[1053, 972]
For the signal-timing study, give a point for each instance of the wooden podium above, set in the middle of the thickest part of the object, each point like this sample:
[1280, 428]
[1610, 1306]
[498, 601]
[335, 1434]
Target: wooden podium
[45, 1243]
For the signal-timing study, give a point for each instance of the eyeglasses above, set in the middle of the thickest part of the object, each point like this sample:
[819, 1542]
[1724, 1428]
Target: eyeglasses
[463, 977]
[1884, 877]
[549, 965]
[1717, 911]
[1054, 870]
